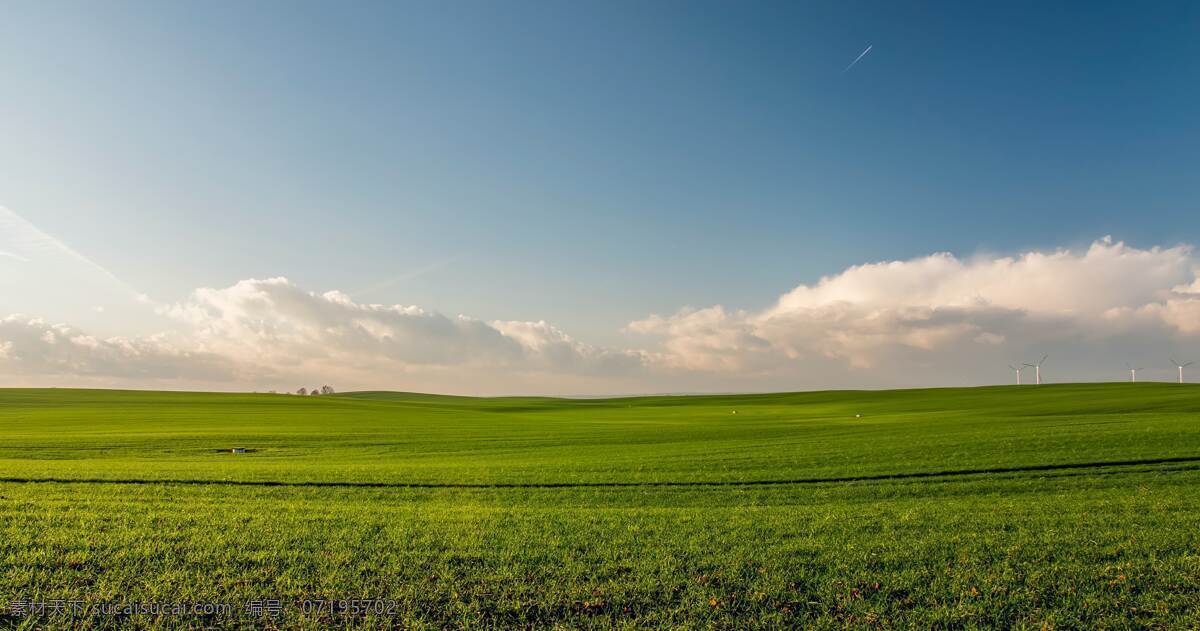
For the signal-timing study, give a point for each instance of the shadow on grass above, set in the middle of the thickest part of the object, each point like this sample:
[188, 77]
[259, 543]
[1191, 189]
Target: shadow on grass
[1111, 464]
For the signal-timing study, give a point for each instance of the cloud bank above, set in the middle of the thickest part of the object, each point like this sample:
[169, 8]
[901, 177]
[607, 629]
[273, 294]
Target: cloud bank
[932, 320]
[272, 323]
[900, 310]
[30, 347]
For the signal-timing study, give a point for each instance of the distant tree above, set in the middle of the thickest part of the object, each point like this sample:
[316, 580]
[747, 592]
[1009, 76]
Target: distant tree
[315, 392]
[302, 391]
[326, 389]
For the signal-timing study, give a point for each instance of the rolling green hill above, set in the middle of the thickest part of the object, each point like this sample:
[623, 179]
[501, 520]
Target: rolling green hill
[1062, 505]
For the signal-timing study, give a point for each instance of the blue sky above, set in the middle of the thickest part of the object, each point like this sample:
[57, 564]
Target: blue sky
[586, 164]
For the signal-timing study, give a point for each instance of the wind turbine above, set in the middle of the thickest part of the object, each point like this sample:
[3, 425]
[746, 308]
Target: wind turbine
[1037, 369]
[1016, 370]
[1181, 367]
[1132, 372]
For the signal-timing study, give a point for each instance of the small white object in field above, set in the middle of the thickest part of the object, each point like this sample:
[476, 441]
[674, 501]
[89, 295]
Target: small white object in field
[733, 412]
[858, 416]
[239, 450]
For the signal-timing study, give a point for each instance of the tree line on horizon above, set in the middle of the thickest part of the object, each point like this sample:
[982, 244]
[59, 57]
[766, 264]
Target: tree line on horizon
[326, 389]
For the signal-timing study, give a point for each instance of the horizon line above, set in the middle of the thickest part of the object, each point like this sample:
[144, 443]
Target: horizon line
[733, 393]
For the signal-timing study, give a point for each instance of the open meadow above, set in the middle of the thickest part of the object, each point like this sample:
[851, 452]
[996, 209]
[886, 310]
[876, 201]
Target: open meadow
[1056, 506]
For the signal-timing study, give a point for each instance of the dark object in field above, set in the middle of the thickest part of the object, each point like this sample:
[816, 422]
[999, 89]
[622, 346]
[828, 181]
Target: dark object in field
[235, 450]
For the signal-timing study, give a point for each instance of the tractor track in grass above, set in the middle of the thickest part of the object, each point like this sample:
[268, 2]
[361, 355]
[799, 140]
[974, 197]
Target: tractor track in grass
[1068, 469]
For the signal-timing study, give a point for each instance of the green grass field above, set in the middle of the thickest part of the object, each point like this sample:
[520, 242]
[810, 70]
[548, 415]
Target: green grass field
[1063, 506]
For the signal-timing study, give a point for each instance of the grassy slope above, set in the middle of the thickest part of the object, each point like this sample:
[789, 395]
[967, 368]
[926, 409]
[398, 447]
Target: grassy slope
[1105, 535]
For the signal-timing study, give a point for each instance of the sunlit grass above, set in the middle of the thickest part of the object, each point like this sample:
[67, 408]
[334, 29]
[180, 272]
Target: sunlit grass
[1068, 506]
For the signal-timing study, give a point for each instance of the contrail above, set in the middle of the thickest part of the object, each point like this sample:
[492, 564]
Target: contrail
[13, 256]
[860, 56]
[27, 238]
[409, 275]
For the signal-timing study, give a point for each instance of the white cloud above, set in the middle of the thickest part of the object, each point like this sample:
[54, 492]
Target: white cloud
[275, 322]
[31, 348]
[263, 333]
[704, 339]
[931, 320]
[1107, 275]
[552, 349]
[272, 323]
[940, 305]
